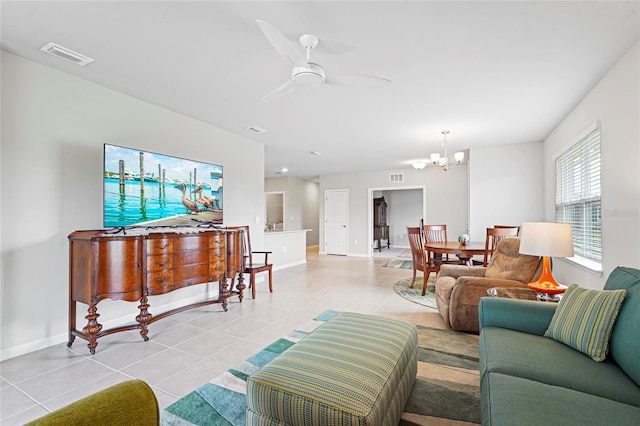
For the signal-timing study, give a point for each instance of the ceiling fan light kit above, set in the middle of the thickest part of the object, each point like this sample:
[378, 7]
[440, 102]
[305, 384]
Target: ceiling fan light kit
[308, 77]
[307, 74]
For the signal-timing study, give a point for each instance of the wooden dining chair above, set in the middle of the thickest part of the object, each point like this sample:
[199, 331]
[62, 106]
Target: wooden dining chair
[421, 260]
[251, 266]
[436, 234]
[494, 235]
[508, 226]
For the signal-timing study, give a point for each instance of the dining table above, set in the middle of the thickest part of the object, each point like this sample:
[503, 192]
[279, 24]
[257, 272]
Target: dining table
[463, 252]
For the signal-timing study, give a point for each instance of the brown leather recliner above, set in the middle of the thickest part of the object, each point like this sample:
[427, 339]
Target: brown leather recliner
[459, 288]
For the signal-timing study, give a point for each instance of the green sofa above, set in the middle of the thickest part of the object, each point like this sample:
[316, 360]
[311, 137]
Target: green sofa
[529, 379]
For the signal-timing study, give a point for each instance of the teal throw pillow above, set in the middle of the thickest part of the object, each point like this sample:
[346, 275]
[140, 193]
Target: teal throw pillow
[584, 319]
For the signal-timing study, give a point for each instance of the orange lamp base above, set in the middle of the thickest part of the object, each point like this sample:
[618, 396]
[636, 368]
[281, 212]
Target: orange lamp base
[546, 283]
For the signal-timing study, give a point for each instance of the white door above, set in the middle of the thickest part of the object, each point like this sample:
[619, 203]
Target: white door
[336, 204]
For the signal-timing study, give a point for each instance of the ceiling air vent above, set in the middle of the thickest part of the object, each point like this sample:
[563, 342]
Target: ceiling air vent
[255, 129]
[66, 54]
[396, 177]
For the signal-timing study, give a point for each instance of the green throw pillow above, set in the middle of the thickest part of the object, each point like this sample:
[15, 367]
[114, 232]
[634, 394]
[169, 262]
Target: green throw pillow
[584, 319]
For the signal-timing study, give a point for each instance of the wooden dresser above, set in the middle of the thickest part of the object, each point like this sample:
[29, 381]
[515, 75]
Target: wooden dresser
[133, 264]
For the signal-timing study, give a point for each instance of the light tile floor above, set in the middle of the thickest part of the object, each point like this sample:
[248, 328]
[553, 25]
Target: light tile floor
[186, 350]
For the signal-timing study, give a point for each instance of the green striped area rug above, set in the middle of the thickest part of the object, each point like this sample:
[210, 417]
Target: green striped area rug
[402, 288]
[446, 388]
[399, 263]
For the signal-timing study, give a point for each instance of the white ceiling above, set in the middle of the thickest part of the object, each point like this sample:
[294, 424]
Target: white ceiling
[489, 72]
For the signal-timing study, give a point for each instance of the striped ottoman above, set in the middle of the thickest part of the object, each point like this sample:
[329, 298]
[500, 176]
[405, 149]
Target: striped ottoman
[353, 370]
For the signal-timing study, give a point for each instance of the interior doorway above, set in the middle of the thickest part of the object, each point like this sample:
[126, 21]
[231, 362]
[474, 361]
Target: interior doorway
[405, 207]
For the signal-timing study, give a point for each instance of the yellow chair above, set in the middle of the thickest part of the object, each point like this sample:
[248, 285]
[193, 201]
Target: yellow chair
[130, 403]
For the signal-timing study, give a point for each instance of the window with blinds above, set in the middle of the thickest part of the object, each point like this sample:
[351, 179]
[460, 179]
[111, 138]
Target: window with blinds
[578, 194]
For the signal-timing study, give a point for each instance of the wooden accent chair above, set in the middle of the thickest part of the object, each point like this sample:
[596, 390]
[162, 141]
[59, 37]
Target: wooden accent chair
[436, 234]
[494, 235]
[249, 266]
[421, 260]
[508, 226]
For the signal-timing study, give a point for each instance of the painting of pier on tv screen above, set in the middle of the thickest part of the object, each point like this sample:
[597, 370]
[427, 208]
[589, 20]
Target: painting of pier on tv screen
[148, 189]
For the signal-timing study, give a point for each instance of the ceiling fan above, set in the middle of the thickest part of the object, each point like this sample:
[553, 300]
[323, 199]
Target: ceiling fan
[307, 74]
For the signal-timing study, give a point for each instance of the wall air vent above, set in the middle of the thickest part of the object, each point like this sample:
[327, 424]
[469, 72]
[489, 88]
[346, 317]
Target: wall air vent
[66, 54]
[396, 177]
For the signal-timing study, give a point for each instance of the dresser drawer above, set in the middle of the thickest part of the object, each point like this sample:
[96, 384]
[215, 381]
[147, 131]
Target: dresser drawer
[216, 255]
[190, 275]
[159, 245]
[216, 240]
[190, 258]
[159, 279]
[217, 270]
[159, 262]
[191, 242]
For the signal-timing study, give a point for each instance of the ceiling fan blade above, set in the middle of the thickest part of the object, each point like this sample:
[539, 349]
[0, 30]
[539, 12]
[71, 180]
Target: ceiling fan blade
[285, 88]
[282, 45]
[357, 80]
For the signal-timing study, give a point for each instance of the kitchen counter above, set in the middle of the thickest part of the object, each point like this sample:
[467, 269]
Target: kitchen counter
[288, 247]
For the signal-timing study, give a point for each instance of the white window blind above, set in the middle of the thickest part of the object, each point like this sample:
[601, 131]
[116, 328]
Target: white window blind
[578, 195]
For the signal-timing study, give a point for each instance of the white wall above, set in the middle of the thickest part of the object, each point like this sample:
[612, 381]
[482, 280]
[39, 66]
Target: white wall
[405, 208]
[615, 103]
[506, 184]
[310, 211]
[53, 129]
[446, 201]
[301, 204]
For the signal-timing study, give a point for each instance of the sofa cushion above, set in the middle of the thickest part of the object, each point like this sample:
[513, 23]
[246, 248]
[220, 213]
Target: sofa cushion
[509, 401]
[584, 319]
[624, 347]
[547, 361]
[507, 262]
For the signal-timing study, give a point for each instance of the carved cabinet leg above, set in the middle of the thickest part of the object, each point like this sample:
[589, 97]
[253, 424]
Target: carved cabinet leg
[223, 293]
[72, 322]
[241, 286]
[144, 317]
[92, 328]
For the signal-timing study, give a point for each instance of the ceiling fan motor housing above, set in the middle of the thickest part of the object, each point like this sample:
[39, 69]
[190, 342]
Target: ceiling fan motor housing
[308, 77]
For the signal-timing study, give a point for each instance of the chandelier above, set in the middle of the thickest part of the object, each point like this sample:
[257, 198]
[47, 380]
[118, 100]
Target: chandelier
[443, 161]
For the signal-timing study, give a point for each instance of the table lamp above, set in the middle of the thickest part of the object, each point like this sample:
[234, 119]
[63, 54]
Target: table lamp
[546, 240]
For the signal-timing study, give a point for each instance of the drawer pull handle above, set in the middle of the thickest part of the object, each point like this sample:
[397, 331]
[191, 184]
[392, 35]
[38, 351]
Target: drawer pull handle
[219, 268]
[158, 246]
[166, 262]
[162, 279]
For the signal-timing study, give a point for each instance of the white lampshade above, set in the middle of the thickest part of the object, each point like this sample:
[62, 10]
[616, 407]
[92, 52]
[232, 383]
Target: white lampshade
[435, 157]
[419, 165]
[546, 239]
[459, 156]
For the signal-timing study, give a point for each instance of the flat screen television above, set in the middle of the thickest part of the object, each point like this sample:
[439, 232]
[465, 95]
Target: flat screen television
[144, 188]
